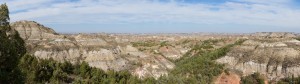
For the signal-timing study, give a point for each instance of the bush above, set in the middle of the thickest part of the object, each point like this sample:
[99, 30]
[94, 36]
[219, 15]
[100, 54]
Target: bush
[201, 68]
[255, 78]
[50, 71]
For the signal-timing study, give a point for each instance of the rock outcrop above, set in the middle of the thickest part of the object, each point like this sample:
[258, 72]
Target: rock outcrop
[274, 34]
[274, 59]
[100, 51]
[30, 30]
[275, 55]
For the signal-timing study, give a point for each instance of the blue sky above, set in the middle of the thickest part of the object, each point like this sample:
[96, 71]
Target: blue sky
[160, 16]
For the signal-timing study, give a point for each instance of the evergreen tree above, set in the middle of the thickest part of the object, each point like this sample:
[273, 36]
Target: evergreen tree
[84, 69]
[4, 16]
[11, 49]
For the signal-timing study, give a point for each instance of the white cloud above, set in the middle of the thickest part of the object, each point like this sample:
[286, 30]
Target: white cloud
[18, 5]
[267, 1]
[250, 12]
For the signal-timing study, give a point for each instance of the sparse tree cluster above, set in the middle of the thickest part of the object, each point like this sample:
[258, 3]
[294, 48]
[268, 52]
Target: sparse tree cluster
[49, 71]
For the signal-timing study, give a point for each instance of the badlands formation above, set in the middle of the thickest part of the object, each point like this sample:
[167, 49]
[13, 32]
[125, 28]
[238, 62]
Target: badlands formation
[275, 55]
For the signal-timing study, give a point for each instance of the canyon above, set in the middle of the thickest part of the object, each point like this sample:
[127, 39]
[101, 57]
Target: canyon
[276, 55]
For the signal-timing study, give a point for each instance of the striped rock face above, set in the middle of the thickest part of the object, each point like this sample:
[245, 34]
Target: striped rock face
[274, 58]
[30, 30]
[275, 55]
[99, 50]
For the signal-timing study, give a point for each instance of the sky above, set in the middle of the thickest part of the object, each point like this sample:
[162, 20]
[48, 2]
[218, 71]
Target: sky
[160, 16]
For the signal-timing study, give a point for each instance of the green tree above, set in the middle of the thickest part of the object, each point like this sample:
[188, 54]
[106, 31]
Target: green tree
[67, 67]
[28, 66]
[84, 69]
[4, 16]
[59, 76]
[11, 49]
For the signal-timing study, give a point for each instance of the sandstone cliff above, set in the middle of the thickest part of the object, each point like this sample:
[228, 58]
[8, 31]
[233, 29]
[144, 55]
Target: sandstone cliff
[101, 51]
[276, 55]
[274, 58]
[33, 31]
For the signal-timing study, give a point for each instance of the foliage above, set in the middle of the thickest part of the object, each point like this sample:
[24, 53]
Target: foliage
[297, 38]
[255, 78]
[11, 48]
[197, 50]
[200, 68]
[4, 16]
[144, 44]
[49, 71]
[290, 80]
[164, 43]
